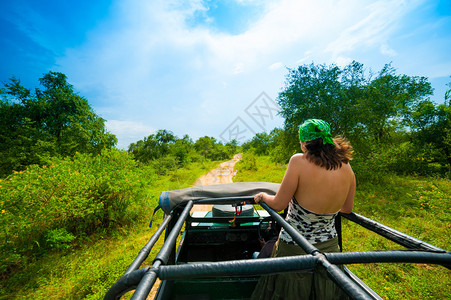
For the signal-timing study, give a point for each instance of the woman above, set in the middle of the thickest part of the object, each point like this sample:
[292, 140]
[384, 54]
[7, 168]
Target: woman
[316, 186]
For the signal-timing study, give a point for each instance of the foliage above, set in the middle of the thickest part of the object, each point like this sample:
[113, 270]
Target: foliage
[52, 121]
[263, 168]
[90, 269]
[356, 105]
[48, 207]
[165, 150]
[276, 144]
[59, 238]
[432, 130]
[211, 149]
[260, 143]
[388, 115]
[248, 162]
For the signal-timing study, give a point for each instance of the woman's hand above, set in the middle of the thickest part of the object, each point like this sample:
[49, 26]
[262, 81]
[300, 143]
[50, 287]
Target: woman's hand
[260, 197]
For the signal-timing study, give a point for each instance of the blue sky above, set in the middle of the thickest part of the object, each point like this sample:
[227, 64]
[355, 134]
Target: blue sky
[212, 67]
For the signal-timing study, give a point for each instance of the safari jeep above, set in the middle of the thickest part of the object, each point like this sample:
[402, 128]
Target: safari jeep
[217, 256]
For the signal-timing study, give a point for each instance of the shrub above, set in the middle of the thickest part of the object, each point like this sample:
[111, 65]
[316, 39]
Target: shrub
[248, 162]
[59, 238]
[49, 207]
[165, 164]
[402, 159]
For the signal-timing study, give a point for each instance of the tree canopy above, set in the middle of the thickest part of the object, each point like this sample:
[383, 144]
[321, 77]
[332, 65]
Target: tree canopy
[353, 102]
[165, 150]
[51, 121]
[371, 109]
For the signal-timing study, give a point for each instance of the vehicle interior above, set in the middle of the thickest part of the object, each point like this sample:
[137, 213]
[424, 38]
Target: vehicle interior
[217, 253]
[227, 237]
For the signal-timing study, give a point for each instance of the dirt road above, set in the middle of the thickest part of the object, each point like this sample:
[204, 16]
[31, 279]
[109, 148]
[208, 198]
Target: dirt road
[220, 175]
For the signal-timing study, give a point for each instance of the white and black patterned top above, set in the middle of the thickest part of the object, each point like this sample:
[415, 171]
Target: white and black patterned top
[314, 227]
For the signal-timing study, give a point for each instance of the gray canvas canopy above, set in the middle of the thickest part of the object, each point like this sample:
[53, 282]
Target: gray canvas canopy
[169, 199]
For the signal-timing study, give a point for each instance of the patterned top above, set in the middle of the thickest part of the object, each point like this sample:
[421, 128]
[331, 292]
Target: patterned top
[314, 227]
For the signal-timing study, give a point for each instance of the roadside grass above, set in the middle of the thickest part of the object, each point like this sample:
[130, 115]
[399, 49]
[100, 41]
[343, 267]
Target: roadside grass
[87, 272]
[417, 206]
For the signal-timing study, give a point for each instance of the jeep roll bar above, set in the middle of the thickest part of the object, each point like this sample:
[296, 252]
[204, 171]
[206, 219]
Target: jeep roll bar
[143, 279]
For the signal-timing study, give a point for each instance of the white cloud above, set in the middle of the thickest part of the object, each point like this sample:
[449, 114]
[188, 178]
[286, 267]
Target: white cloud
[342, 61]
[238, 68]
[379, 20]
[275, 66]
[148, 67]
[128, 131]
[386, 50]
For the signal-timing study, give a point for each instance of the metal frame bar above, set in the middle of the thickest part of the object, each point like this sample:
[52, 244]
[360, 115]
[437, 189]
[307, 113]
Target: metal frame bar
[351, 288]
[143, 279]
[132, 277]
[148, 280]
[144, 253]
[390, 233]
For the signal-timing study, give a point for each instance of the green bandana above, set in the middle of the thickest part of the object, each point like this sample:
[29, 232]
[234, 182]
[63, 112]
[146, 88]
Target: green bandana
[307, 131]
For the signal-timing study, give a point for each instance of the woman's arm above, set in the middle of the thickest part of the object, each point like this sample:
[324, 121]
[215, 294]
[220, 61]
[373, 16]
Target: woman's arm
[349, 202]
[287, 188]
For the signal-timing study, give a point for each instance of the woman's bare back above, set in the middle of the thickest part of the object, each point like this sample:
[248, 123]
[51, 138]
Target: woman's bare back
[323, 191]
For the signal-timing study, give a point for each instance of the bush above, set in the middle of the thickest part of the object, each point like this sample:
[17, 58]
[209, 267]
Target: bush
[165, 164]
[59, 238]
[248, 162]
[402, 159]
[48, 207]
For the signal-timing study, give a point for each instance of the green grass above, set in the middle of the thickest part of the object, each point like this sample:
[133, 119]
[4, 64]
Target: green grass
[417, 206]
[87, 272]
[420, 207]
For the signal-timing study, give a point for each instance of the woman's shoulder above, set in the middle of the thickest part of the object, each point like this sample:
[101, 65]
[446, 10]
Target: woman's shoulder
[298, 157]
[346, 167]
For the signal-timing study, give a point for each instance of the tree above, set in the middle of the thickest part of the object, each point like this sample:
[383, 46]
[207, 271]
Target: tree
[259, 143]
[205, 145]
[51, 121]
[319, 91]
[431, 126]
[356, 105]
[388, 101]
[154, 146]
[70, 119]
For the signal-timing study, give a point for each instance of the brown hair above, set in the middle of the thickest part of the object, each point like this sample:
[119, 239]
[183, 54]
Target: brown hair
[329, 156]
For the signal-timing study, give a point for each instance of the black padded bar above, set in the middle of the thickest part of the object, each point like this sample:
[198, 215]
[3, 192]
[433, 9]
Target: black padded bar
[125, 284]
[246, 267]
[339, 231]
[169, 243]
[394, 256]
[350, 287]
[391, 234]
[362, 284]
[146, 283]
[144, 287]
[144, 253]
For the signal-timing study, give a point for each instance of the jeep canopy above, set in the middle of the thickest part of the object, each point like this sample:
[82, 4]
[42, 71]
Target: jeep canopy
[170, 199]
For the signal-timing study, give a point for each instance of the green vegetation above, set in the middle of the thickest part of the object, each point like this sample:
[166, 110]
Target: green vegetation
[74, 210]
[53, 121]
[377, 113]
[87, 266]
[70, 201]
[418, 206]
[166, 151]
[56, 205]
